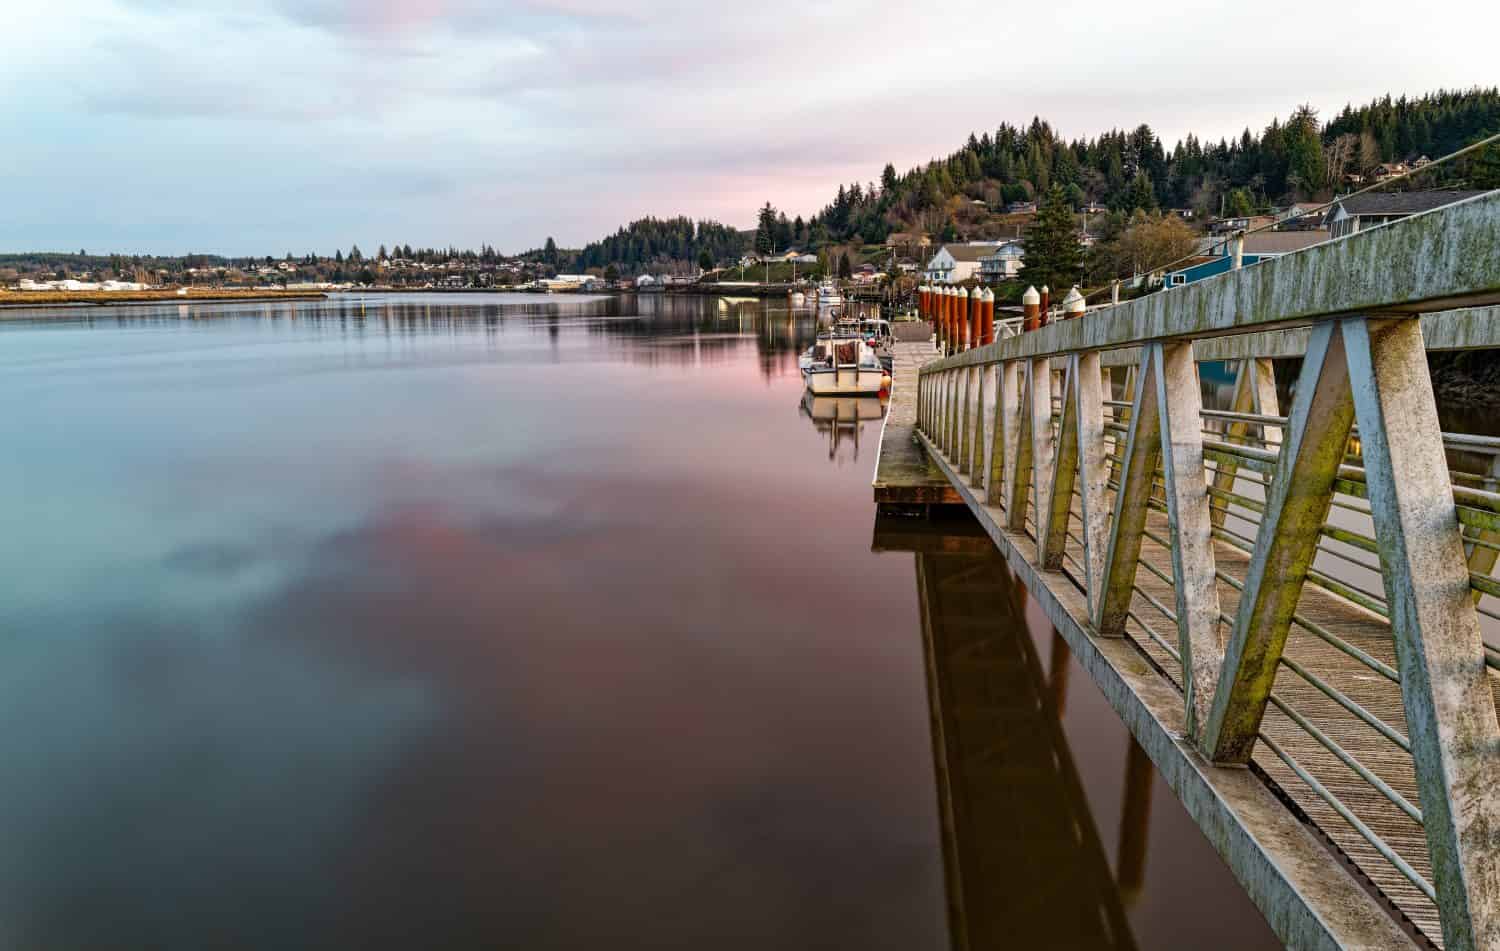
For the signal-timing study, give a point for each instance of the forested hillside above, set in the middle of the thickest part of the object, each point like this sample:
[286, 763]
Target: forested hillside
[652, 241]
[1301, 157]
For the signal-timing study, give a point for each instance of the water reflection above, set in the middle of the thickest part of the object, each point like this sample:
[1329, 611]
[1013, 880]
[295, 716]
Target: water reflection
[1037, 778]
[470, 621]
[1010, 797]
[844, 419]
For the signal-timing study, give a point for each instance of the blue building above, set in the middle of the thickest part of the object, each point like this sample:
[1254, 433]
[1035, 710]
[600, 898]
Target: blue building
[1198, 272]
[1262, 246]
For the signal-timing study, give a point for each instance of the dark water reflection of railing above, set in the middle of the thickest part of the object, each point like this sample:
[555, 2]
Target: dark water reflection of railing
[1025, 863]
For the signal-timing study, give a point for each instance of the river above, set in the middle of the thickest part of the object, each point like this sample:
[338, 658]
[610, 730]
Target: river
[469, 621]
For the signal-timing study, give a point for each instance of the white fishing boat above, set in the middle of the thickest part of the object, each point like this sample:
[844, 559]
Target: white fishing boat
[829, 295]
[842, 365]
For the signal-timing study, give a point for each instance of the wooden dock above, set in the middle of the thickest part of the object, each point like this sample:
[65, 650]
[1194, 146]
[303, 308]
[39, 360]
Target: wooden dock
[905, 477]
[1294, 610]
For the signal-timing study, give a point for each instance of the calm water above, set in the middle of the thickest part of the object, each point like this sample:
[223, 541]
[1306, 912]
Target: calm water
[471, 622]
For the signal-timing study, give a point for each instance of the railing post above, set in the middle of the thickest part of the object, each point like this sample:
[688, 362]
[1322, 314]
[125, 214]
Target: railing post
[1122, 416]
[1481, 557]
[977, 457]
[921, 402]
[965, 401]
[1142, 452]
[1007, 405]
[1043, 444]
[1191, 532]
[1254, 392]
[1080, 462]
[1018, 452]
[1052, 518]
[1450, 711]
[1297, 505]
[950, 442]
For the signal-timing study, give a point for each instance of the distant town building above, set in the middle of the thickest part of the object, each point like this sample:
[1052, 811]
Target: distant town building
[1358, 212]
[1003, 263]
[956, 263]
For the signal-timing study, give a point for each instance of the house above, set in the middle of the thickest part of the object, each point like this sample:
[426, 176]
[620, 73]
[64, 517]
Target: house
[1003, 263]
[1259, 247]
[805, 259]
[1302, 215]
[1389, 170]
[1021, 208]
[1358, 212]
[1242, 223]
[956, 263]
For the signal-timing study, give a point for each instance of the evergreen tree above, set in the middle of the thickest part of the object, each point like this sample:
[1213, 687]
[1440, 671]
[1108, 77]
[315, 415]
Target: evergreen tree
[1054, 256]
[706, 260]
[765, 229]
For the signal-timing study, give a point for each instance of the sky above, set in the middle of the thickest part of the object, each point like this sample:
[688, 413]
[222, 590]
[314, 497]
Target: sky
[275, 126]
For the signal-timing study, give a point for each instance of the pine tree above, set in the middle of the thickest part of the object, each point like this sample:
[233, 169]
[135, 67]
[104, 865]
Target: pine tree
[1054, 256]
[765, 230]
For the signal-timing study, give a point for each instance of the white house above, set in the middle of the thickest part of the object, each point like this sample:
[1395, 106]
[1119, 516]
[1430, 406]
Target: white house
[1358, 212]
[1003, 263]
[956, 263]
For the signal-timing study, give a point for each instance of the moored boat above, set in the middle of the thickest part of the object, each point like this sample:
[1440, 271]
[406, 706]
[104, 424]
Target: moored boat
[840, 364]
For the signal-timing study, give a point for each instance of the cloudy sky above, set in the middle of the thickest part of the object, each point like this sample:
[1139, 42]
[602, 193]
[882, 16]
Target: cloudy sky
[267, 126]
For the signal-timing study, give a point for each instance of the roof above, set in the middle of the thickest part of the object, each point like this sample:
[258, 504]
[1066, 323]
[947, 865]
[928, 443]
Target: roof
[1283, 242]
[1402, 203]
[969, 252]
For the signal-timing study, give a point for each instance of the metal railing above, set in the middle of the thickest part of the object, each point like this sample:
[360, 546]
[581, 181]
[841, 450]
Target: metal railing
[1355, 541]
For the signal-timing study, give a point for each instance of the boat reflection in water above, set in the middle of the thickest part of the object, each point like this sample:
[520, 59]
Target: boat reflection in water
[843, 419]
[1025, 863]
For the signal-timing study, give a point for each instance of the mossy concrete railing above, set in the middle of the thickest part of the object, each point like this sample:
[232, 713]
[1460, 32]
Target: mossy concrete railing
[1354, 310]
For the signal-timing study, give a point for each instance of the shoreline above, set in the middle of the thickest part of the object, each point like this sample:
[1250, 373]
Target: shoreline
[48, 300]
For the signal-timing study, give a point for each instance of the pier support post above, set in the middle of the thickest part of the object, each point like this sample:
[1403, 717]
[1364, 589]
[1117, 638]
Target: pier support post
[1142, 453]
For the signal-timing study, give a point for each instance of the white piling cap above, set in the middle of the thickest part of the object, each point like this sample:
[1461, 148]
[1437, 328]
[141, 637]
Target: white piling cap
[1045, 288]
[963, 292]
[989, 295]
[1031, 298]
[1073, 303]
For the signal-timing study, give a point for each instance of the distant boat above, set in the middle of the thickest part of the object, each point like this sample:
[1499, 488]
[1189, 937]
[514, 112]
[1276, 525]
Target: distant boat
[828, 295]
